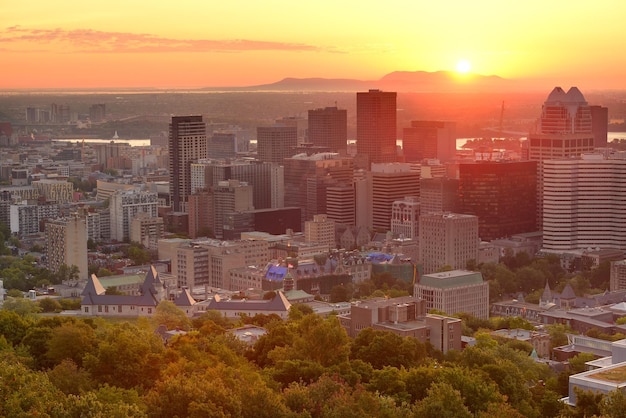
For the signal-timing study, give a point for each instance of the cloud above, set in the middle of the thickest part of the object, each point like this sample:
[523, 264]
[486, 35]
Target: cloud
[93, 41]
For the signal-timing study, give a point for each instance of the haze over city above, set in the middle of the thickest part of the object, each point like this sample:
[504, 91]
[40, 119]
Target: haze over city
[312, 209]
[193, 44]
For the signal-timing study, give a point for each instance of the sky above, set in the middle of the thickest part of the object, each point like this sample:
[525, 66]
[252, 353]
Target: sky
[205, 43]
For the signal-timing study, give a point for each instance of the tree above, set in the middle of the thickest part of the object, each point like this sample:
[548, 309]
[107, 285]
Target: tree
[383, 348]
[71, 341]
[171, 316]
[442, 401]
[614, 404]
[49, 305]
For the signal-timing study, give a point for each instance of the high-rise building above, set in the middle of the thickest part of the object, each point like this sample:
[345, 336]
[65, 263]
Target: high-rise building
[187, 143]
[584, 202]
[66, 244]
[455, 292]
[565, 127]
[146, 230]
[125, 205]
[200, 209]
[564, 130]
[320, 230]
[388, 183]
[275, 143]
[376, 127]
[328, 127]
[599, 125]
[222, 145]
[97, 112]
[307, 178]
[502, 195]
[439, 195]
[429, 139]
[228, 197]
[340, 204]
[447, 239]
[405, 217]
[618, 275]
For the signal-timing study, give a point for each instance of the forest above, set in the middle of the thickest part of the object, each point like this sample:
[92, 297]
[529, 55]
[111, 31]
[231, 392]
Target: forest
[306, 366]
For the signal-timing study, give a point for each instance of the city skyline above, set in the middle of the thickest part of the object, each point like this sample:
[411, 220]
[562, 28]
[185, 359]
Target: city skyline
[244, 43]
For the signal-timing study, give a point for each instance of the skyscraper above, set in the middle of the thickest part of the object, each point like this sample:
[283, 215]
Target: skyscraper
[599, 125]
[66, 243]
[376, 126]
[429, 139]
[584, 203]
[275, 143]
[328, 127]
[187, 143]
[447, 239]
[502, 194]
[390, 182]
[564, 130]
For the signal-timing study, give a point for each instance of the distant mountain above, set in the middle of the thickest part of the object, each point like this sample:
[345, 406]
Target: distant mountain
[402, 81]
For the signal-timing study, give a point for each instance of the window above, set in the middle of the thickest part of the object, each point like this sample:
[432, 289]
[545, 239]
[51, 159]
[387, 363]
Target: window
[119, 308]
[86, 309]
[99, 308]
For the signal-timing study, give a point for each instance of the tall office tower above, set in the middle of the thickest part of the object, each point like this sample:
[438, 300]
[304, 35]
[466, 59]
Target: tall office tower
[66, 243]
[448, 239]
[618, 275]
[320, 230]
[439, 195]
[125, 205]
[228, 197]
[564, 130]
[390, 182]
[265, 179]
[340, 204]
[147, 230]
[376, 127]
[187, 143]
[300, 123]
[429, 139]
[503, 196]
[405, 217]
[599, 125]
[328, 127]
[565, 127]
[200, 209]
[275, 143]
[222, 145]
[307, 178]
[584, 203]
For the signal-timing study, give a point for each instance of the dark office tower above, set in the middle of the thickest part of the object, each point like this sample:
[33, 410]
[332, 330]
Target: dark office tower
[376, 127]
[429, 139]
[187, 143]
[275, 143]
[502, 194]
[222, 145]
[328, 127]
[599, 125]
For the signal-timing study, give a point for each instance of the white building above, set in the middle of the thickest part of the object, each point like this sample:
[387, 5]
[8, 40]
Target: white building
[584, 202]
[125, 205]
[320, 230]
[405, 216]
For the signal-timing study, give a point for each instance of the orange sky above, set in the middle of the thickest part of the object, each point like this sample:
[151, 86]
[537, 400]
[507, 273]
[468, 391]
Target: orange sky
[196, 43]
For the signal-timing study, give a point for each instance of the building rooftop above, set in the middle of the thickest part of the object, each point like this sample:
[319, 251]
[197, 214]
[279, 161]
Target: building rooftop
[449, 279]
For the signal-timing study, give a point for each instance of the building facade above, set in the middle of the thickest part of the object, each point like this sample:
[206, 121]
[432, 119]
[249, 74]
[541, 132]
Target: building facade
[429, 139]
[503, 195]
[389, 183]
[66, 244]
[376, 125]
[124, 206]
[447, 239]
[328, 127]
[275, 143]
[405, 217]
[454, 292]
[584, 202]
[187, 143]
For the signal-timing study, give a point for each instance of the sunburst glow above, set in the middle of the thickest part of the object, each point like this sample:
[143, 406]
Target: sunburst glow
[463, 66]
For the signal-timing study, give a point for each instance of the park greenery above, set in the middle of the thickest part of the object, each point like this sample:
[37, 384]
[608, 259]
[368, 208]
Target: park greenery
[306, 366]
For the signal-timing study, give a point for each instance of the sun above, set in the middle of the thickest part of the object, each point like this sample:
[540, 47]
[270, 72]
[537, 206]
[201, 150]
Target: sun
[463, 67]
